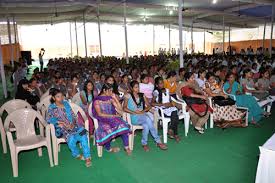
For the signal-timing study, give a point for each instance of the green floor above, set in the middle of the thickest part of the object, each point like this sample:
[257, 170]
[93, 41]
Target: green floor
[228, 156]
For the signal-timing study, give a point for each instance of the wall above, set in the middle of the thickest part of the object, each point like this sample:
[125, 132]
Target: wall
[238, 45]
[7, 55]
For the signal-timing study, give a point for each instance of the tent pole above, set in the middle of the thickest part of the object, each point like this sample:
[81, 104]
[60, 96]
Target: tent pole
[263, 46]
[154, 39]
[3, 77]
[223, 34]
[271, 33]
[180, 9]
[99, 32]
[169, 38]
[10, 42]
[71, 40]
[76, 40]
[85, 38]
[125, 32]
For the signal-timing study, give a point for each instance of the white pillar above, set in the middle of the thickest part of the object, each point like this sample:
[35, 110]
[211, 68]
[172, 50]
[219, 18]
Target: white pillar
[15, 39]
[154, 39]
[85, 38]
[180, 6]
[169, 38]
[264, 37]
[192, 39]
[10, 42]
[71, 40]
[99, 31]
[125, 32]
[3, 77]
[223, 34]
[17, 36]
[271, 33]
[204, 41]
[76, 40]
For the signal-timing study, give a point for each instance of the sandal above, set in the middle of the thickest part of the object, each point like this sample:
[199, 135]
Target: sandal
[177, 138]
[199, 130]
[88, 162]
[128, 151]
[162, 146]
[171, 134]
[114, 150]
[267, 114]
[146, 148]
[80, 157]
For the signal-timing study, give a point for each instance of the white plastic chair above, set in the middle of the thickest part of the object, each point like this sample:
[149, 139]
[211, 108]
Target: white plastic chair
[127, 117]
[47, 93]
[76, 98]
[9, 107]
[239, 107]
[26, 138]
[57, 141]
[43, 105]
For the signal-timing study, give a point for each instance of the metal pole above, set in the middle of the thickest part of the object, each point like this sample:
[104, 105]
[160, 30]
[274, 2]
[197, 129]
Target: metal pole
[223, 34]
[125, 32]
[271, 33]
[180, 8]
[229, 39]
[204, 41]
[154, 39]
[3, 77]
[71, 40]
[264, 37]
[15, 39]
[99, 31]
[10, 42]
[85, 39]
[169, 38]
[192, 41]
[17, 36]
[76, 40]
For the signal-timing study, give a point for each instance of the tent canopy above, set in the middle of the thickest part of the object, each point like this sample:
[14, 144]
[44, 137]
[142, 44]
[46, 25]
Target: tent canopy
[203, 13]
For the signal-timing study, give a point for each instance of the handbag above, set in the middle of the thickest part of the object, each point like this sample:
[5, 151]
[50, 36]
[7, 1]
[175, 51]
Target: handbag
[192, 100]
[222, 101]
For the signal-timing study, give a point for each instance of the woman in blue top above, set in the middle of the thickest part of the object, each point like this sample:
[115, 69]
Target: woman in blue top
[61, 115]
[137, 105]
[234, 88]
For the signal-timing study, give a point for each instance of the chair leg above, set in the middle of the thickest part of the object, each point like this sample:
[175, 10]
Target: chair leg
[186, 124]
[4, 141]
[99, 151]
[132, 140]
[49, 148]
[268, 107]
[55, 152]
[39, 151]
[165, 131]
[59, 148]
[211, 121]
[14, 161]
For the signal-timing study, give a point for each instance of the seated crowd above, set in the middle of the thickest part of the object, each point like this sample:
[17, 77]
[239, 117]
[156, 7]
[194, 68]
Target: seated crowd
[210, 85]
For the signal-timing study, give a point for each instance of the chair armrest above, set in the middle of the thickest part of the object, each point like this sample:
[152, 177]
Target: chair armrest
[180, 102]
[161, 111]
[210, 102]
[48, 130]
[52, 130]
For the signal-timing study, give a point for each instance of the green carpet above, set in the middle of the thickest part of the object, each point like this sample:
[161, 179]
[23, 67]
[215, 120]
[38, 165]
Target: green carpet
[228, 156]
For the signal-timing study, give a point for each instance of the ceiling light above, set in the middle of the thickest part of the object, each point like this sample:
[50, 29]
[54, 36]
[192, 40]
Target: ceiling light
[171, 12]
[214, 1]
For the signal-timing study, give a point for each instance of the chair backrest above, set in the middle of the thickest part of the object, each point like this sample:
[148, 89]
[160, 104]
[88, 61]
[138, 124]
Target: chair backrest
[13, 105]
[47, 93]
[23, 120]
[91, 115]
[43, 105]
[76, 98]
[76, 108]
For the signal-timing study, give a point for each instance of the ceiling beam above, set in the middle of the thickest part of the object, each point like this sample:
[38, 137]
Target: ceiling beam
[260, 2]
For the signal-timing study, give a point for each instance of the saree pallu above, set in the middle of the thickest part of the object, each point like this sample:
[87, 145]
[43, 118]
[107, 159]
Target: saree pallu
[108, 128]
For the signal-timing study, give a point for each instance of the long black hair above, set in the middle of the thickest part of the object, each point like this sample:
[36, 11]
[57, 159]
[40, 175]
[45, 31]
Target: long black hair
[188, 75]
[160, 90]
[86, 90]
[141, 97]
[106, 86]
[53, 92]
[115, 86]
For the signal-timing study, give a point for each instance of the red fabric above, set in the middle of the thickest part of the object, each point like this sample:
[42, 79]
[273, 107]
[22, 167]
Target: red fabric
[199, 108]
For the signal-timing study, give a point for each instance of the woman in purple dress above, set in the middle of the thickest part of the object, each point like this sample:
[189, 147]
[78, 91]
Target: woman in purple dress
[110, 123]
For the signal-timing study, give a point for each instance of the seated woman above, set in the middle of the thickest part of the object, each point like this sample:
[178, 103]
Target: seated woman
[110, 123]
[24, 92]
[87, 96]
[224, 116]
[124, 85]
[234, 88]
[145, 87]
[196, 101]
[60, 114]
[264, 83]
[161, 98]
[137, 105]
[171, 83]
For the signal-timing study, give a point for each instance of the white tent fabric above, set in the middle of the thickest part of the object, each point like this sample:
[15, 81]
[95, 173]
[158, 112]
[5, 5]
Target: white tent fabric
[266, 165]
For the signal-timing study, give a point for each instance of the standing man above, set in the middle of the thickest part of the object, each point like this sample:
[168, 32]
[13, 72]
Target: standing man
[41, 54]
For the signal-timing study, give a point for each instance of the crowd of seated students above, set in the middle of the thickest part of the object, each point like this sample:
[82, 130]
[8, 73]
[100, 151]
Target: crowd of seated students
[145, 84]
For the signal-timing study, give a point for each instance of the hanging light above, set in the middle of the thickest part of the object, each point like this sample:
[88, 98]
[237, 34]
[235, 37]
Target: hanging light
[171, 12]
[214, 1]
